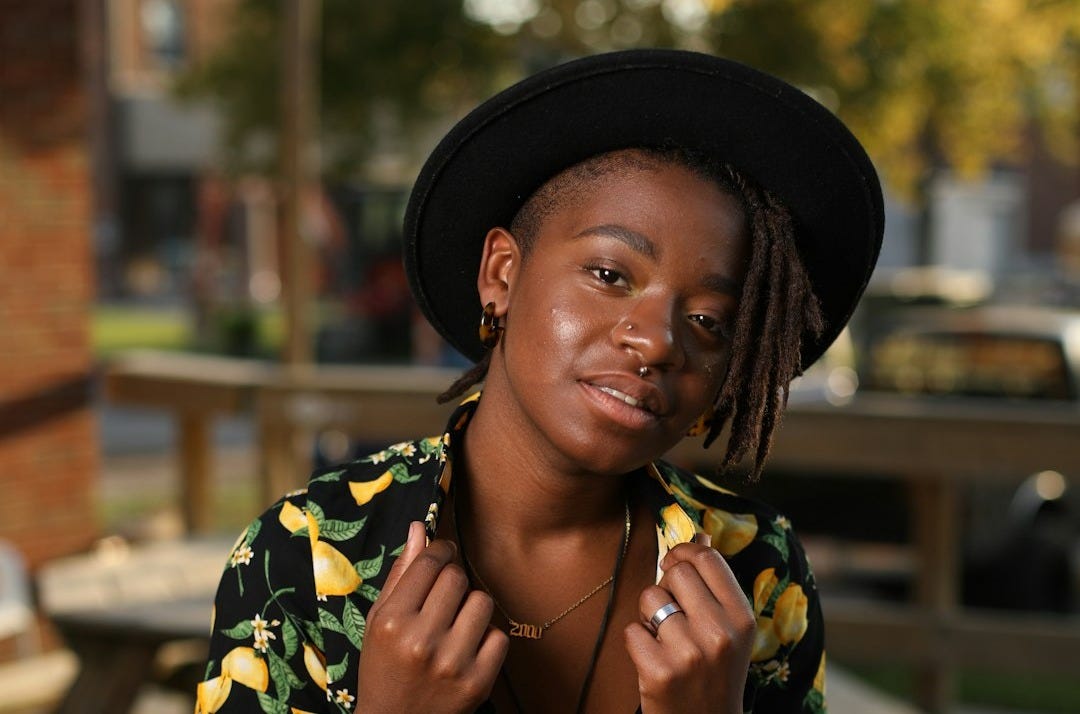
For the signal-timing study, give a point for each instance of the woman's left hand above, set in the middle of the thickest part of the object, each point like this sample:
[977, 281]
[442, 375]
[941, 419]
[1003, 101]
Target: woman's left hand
[698, 659]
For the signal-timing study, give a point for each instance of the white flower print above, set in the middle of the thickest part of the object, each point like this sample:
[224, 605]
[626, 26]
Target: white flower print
[343, 698]
[262, 633]
[241, 556]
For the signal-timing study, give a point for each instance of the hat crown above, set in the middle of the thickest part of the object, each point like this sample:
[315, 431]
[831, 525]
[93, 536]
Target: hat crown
[500, 153]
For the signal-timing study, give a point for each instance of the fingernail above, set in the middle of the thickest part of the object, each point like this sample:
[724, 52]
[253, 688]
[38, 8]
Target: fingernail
[703, 539]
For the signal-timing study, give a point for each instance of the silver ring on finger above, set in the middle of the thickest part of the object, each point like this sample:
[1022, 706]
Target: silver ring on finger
[662, 614]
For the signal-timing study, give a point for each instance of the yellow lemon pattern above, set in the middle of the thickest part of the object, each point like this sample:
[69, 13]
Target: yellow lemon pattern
[299, 582]
[365, 491]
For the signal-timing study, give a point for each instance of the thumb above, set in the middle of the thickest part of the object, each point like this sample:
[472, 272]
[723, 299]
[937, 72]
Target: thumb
[414, 546]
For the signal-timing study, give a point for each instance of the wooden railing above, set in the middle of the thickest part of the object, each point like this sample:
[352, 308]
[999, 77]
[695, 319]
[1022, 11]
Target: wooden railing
[936, 448]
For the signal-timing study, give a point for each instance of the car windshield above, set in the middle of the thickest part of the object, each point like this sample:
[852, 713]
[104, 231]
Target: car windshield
[970, 364]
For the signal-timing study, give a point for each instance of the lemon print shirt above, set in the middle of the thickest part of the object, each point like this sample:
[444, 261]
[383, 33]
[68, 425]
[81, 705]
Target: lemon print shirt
[290, 611]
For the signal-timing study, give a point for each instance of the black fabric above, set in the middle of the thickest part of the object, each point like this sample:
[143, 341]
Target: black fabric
[499, 154]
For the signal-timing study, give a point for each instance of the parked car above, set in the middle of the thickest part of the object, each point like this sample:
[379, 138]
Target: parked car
[1023, 545]
[996, 352]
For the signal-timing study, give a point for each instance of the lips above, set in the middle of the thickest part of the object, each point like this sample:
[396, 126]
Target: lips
[630, 390]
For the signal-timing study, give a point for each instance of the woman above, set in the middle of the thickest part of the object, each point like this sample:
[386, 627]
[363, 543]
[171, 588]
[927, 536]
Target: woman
[657, 242]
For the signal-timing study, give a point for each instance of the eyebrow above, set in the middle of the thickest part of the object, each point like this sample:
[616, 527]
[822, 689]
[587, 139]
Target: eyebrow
[641, 243]
[722, 284]
[637, 242]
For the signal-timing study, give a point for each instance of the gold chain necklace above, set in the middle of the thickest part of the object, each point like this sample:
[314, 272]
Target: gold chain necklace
[526, 630]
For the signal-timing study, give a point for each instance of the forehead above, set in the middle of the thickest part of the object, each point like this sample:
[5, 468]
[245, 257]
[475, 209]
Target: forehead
[569, 188]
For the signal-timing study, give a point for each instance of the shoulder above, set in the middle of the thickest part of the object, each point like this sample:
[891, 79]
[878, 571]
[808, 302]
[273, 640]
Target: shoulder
[395, 480]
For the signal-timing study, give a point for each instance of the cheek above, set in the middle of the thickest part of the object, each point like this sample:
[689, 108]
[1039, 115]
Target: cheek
[568, 327]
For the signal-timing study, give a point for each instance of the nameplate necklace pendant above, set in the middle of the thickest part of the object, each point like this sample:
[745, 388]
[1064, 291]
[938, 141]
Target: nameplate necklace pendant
[524, 630]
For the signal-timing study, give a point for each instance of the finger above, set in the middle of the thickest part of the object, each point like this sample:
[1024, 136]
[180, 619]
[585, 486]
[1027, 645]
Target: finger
[688, 588]
[644, 650]
[713, 569]
[652, 599]
[414, 585]
[471, 625]
[415, 543]
[494, 646]
[445, 598]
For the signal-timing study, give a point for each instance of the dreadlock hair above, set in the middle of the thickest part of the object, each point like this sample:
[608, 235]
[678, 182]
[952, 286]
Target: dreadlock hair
[776, 309]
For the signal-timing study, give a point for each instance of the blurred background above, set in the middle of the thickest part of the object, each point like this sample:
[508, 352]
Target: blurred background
[201, 296]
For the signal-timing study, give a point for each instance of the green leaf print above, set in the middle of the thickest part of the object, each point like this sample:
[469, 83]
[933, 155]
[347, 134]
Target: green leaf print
[271, 705]
[369, 592]
[313, 633]
[330, 477]
[341, 530]
[329, 622]
[355, 624]
[779, 542]
[401, 474]
[396, 552]
[371, 567]
[335, 672]
[317, 513]
[252, 532]
[282, 675]
[781, 586]
[209, 669]
[241, 631]
[301, 532]
[814, 702]
[290, 637]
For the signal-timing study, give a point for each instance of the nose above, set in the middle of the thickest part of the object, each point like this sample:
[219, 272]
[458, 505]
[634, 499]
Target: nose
[649, 331]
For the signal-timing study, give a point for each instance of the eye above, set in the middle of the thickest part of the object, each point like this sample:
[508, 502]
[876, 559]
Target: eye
[710, 324]
[608, 275]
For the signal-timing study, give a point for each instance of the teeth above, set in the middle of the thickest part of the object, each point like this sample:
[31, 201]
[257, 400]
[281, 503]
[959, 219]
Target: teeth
[624, 397]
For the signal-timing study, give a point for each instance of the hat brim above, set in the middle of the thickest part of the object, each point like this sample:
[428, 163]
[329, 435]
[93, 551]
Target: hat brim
[500, 153]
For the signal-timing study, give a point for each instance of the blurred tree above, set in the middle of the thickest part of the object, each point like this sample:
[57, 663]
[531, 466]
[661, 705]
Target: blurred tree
[920, 83]
[385, 67]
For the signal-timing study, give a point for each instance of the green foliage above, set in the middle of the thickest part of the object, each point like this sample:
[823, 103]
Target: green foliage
[384, 67]
[920, 83]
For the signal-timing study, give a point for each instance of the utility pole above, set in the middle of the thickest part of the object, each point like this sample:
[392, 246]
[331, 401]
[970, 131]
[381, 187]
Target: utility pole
[298, 169]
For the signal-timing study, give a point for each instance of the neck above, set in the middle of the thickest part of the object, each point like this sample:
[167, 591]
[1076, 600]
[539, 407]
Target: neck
[519, 492]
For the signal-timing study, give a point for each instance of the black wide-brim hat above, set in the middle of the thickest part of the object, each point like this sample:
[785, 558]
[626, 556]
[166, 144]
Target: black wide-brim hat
[485, 168]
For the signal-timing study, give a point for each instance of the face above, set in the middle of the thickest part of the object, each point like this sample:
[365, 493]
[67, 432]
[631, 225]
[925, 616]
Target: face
[643, 269]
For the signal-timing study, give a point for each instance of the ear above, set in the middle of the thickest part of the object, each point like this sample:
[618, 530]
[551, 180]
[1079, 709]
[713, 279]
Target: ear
[499, 265]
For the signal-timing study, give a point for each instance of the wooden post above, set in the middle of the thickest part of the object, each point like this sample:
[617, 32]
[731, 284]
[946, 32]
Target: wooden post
[298, 176]
[195, 463]
[298, 168]
[934, 515]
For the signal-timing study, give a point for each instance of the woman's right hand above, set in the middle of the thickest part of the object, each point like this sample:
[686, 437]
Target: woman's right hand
[429, 644]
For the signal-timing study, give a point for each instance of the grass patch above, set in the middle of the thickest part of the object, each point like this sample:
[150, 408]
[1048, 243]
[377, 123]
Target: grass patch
[116, 328]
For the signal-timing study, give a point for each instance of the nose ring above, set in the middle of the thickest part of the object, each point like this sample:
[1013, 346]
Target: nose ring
[643, 371]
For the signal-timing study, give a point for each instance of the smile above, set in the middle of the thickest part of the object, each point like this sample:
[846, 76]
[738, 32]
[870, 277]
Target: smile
[625, 398]
[635, 412]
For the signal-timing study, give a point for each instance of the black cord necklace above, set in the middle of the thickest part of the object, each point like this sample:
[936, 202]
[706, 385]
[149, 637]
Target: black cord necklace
[613, 580]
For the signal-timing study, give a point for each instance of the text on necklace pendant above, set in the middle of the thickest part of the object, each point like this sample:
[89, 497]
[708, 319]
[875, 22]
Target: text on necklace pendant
[525, 630]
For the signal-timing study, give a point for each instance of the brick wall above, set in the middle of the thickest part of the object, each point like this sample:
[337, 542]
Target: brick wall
[48, 451]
